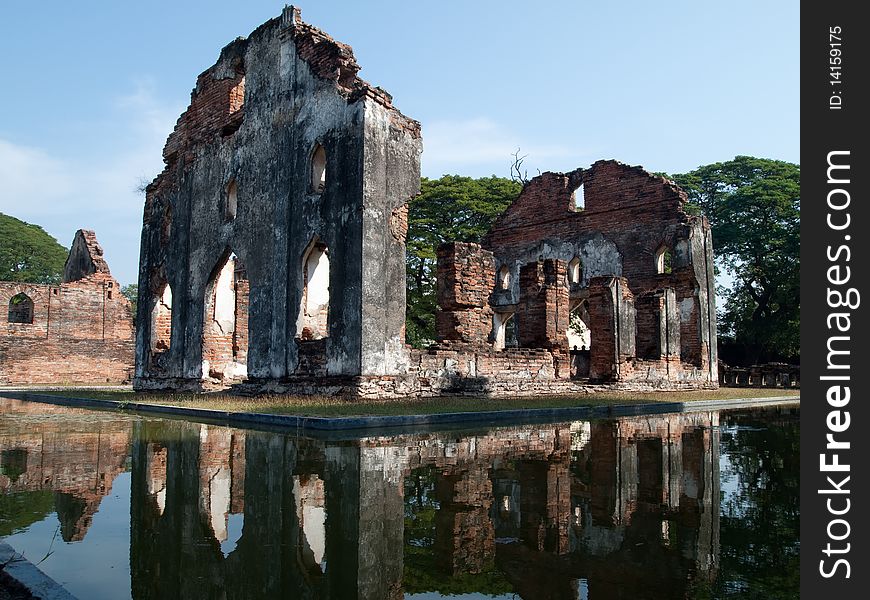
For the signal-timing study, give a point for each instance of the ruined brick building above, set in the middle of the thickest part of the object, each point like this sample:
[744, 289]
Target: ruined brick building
[273, 241]
[273, 252]
[598, 275]
[80, 331]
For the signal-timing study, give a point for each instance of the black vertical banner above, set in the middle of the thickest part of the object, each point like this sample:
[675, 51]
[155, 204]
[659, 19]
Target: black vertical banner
[835, 300]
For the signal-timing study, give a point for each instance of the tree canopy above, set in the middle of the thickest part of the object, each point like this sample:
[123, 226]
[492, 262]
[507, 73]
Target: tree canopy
[452, 208]
[28, 254]
[753, 205]
[131, 292]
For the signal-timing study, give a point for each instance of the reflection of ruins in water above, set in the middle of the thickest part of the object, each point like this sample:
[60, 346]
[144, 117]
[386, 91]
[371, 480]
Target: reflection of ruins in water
[75, 455]
[602, 509]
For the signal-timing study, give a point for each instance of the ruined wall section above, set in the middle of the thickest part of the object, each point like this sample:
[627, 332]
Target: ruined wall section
[80, 331]
[391, 178]
[628, 219]
[544, 305]
[465, 278]
[85, 257]
[612, 310]
[626, 209]
[300, 92]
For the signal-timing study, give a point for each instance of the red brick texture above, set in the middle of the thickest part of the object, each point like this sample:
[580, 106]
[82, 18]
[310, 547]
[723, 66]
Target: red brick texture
[466, 275]
[647, 326]
[611, 310]
[82, 332]
[544, 306]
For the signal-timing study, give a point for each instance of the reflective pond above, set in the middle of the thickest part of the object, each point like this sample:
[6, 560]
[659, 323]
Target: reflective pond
[696, 505]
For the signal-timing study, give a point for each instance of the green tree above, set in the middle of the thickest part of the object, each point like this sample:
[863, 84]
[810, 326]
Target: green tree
[452, 208]
[753, 205]
[131, 293]
[28, 254]
[760, 512]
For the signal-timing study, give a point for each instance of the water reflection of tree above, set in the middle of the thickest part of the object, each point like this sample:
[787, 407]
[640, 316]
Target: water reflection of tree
[22, 509]
[760, 520]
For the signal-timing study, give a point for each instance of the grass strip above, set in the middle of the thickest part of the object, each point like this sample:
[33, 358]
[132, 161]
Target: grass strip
[319, 406]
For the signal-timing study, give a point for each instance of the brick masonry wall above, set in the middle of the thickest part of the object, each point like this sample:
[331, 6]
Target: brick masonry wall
[82, 332]
[466, 276]
[82, 329]
[628, 217]
[77, 456]
[544, 305]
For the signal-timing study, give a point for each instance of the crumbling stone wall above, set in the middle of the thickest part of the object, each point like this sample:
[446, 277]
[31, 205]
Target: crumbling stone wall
[283, 148]
[80, 331]
[291, 164]
[630, 259]
[465, 279]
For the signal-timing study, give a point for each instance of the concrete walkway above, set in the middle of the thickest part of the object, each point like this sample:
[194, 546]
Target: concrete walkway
[398, 423]
[27, 575]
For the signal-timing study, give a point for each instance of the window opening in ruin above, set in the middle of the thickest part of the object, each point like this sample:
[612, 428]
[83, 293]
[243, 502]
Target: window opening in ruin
[504, 278]
[318, 169]
[314, 311]
[232, 201]
[161, 321]
[575, 271]
[109, 294]
[504, 331]
[579, 340]
[579, 198]
[664, 260]
[20, 309]
[224, 304]
[579, 334]
[225, 327]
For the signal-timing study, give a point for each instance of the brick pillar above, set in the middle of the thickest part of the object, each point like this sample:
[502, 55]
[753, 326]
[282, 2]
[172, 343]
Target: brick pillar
[240, 333]
[612, 325]
[658, 325]
[466, 277]
[544, 306]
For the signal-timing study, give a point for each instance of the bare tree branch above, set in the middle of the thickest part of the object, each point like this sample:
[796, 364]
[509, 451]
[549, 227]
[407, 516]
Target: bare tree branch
[519, 174]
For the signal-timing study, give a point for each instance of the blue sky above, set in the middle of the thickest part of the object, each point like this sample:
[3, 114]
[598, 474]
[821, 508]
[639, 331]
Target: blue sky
[92, 89]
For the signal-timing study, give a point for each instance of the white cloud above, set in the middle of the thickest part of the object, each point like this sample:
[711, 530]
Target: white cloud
[482, 146]
[96, 188]
[32, 180]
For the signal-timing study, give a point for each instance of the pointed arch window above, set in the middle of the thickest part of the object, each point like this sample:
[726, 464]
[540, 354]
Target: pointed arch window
[161, 320]
[314, 311]
[20, 309]
[318, 169]
[663, 260]
[232, 201]
[504, 278]
[575, 271]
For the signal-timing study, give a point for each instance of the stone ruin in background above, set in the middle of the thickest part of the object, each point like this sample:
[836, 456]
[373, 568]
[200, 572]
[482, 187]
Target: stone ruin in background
[273, 252]
[77, 332]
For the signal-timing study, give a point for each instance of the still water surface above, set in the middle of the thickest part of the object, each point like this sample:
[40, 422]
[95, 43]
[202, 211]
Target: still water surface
[701, 505]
